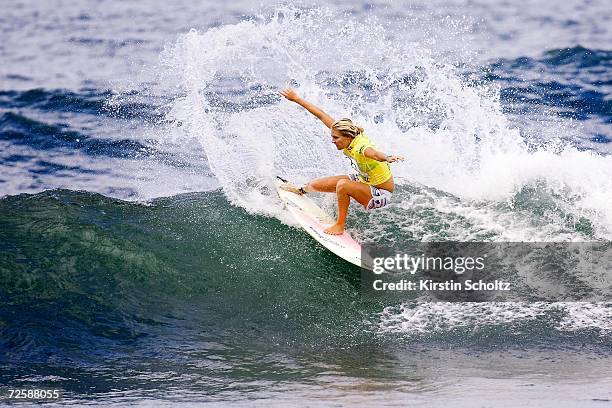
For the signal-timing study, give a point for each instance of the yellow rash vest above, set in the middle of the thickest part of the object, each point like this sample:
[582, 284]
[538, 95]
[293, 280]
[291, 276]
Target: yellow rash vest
[370, 171]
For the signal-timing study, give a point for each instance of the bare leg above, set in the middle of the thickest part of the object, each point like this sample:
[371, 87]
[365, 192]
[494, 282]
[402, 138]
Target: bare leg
[323, 185]
[345, 189]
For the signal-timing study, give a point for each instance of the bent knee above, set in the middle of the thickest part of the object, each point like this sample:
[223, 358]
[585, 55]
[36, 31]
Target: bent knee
[342, 185]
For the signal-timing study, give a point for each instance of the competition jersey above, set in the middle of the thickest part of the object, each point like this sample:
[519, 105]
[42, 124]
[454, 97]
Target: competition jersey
[370, 171]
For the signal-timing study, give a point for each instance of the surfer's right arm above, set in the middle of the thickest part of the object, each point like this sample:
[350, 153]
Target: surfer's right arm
[292, 96]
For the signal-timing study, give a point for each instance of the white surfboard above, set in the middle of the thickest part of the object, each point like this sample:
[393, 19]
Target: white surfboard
[314, 220]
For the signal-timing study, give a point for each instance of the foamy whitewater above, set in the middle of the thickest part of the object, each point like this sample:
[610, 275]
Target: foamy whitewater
[411, 102]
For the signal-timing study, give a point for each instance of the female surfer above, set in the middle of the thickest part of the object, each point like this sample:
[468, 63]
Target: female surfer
[372, 186]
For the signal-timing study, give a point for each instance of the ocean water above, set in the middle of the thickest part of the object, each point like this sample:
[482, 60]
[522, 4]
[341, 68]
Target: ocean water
[145, 259]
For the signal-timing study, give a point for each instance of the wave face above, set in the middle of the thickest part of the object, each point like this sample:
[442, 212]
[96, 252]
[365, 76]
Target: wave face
[87, 280]
[110, 266]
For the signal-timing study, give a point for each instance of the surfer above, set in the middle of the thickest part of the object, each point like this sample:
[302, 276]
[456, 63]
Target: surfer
[372, 186]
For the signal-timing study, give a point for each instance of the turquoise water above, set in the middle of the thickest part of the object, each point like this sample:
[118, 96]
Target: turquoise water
[112, 300]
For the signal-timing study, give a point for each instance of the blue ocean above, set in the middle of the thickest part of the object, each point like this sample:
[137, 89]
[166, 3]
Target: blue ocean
[146, 260]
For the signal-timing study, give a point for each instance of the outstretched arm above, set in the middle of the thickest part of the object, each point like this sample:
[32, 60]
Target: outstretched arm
[292, 96]
[377, 155]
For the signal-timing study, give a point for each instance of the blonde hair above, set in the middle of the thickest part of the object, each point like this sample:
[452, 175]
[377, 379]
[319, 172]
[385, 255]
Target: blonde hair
[347, 128]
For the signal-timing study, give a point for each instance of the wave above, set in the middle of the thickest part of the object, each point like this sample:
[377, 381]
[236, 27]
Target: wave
[86, 101]
[81, 272]
[105, 270]
[52, 140]
[22, 130]
[572, 80]
[454, 129]
[578, 56]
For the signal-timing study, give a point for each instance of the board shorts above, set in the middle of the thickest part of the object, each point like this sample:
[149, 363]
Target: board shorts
[380, 196]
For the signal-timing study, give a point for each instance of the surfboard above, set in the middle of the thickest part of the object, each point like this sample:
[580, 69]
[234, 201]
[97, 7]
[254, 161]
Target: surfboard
[314, 220]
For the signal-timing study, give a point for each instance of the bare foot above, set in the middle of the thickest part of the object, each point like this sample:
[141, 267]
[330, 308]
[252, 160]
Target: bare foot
[291, 188]
[335, 229]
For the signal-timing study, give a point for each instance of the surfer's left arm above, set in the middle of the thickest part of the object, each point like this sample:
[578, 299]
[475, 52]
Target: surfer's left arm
[377, 155]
